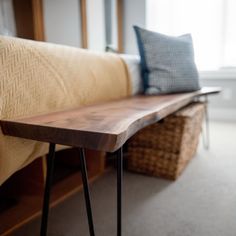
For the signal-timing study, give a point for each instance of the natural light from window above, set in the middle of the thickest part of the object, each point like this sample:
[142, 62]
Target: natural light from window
[211, 23]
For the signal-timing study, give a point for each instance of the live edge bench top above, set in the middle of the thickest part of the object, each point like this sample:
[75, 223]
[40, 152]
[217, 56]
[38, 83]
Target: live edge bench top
[105, 126]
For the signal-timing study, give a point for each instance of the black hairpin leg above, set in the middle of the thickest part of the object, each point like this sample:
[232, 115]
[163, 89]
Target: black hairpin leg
[86, 191]
[119, 190]
[46, 200]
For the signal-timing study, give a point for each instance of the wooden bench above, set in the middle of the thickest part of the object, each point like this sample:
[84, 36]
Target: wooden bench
[104, 127]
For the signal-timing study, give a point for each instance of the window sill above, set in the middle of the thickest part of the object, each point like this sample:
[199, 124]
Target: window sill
[218, 74]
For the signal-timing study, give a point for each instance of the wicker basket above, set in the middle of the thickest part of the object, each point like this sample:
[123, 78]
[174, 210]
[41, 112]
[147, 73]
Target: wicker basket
[165, 148]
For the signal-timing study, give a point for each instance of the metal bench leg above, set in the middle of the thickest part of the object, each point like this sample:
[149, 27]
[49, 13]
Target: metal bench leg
[206, 137]
[46, 200]
[86, 191]
[119, 190]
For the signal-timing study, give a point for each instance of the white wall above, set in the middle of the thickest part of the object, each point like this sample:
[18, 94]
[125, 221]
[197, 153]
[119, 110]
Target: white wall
[96, 25]
[222, 107]
[7, 20]
[114, 22]
[62, 22]
[134, 13]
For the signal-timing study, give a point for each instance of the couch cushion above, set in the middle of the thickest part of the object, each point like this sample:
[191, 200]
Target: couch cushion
[167, 62]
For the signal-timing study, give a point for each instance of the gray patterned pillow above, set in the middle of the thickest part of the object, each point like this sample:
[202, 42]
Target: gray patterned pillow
[167, 62]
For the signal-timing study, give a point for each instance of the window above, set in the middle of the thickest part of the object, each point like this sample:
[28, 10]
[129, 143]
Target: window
[211, 23]
[7, 21]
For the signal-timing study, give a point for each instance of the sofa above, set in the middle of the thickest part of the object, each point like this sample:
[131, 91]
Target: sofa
[39, 77]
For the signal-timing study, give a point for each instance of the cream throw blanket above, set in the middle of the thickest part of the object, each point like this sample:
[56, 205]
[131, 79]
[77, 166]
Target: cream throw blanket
[37, 77]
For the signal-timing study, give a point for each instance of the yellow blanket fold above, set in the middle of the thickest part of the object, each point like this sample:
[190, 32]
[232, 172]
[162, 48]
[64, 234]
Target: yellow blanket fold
[37, 77]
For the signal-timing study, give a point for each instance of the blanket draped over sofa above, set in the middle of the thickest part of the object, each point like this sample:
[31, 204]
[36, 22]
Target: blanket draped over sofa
[38, 77]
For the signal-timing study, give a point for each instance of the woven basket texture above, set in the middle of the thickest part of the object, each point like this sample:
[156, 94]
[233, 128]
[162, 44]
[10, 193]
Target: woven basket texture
[165, 148]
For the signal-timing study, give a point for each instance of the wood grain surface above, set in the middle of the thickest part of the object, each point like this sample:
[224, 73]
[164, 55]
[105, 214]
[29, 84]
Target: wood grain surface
[105, 126]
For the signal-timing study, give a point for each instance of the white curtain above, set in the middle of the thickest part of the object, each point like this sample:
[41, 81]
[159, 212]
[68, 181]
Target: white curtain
[211, 23]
